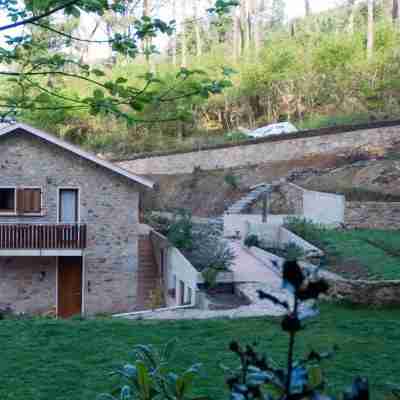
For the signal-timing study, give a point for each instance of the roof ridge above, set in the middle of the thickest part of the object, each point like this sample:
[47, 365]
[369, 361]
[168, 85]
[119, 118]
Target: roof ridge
[77, 150]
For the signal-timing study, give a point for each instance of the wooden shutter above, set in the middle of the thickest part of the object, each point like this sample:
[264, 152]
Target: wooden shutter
[20, 201]
[29, 201]
[36, 196]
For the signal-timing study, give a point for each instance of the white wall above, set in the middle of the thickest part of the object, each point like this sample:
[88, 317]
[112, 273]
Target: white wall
[287, 237]
[234, 223]
[323, 208]
[178, 266]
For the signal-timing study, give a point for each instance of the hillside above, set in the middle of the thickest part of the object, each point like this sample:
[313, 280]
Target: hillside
[207, 193]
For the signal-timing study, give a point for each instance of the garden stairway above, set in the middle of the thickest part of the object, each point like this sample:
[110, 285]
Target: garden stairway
[250, 198]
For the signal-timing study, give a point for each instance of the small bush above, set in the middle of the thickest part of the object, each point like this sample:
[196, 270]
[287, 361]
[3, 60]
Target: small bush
[308, 230]
[180, 231]
[252, 241]
[232, 180]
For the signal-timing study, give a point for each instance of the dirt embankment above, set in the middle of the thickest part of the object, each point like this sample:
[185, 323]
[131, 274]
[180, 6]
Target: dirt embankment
[208, 193]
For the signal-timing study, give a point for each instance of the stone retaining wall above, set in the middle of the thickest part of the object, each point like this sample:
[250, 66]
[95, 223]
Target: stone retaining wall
[371, 293]
[372, 138]
[378, 215]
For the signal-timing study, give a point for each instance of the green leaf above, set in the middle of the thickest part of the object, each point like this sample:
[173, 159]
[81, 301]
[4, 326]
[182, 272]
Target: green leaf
[98, 72]
[315, 376]
[143, 380]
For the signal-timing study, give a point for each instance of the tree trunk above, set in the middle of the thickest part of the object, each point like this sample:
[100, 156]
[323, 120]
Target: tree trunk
[370, 33]
[174, 39]
[197, 29]
[236, 37]
[257, 10]
[396, 12]
[244, 24]
[148, 41]
[353, 9]
[307, 7]
[183, 35]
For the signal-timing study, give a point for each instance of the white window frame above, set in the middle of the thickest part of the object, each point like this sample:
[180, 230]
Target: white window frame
[78, 189]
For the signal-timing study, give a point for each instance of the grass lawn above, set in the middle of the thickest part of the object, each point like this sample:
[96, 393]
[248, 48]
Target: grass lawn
[71, 360]
[373, 254]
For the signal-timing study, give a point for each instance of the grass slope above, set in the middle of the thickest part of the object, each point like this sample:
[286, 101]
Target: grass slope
[71, 360]
[377, 251]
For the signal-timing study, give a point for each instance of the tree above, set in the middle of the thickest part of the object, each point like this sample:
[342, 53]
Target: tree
[307, 8]
[36, 76]
[174, 38]
[352, 5]
[183, 35]
[370, 30]
[197, 21]
[396, 11]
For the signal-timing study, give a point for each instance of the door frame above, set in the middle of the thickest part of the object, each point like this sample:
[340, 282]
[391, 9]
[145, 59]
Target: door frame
[78, 189]
[83, 294]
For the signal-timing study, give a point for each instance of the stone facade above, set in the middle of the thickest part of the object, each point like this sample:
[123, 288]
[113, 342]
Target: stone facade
[108, 205]
[285, 199]
[370, 293]
[378, 215]
[28, 284]
[374, 139]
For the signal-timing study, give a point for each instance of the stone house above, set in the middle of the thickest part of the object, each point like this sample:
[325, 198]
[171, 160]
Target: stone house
[70, 231]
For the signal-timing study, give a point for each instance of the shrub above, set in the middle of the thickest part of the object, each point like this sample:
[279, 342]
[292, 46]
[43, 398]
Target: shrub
[150, 377]
[209, 250]
[252, 241]
[308, 230]
[232, 180]
[180, 231]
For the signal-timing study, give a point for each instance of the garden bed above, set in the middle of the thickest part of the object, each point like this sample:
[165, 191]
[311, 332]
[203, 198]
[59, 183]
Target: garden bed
[356, 253]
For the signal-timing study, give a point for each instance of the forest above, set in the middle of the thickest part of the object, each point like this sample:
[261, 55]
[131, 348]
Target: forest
[246, 66]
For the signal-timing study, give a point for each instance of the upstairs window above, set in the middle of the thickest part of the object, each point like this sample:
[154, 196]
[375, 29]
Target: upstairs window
[7, 200]
[21, 201]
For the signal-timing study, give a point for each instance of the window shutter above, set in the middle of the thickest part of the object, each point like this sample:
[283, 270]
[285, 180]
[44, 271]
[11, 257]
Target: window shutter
[29, 201]
[36, 200]
[20, 201]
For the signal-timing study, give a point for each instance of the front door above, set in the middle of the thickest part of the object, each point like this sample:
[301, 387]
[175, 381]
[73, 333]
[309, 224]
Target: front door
[69, 286]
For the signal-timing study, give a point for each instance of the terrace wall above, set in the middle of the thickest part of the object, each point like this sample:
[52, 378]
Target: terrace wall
[375, 215]
[373, 138]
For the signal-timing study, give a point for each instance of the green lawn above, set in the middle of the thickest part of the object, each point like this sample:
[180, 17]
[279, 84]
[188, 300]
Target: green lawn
[71, 360]
[377, 252]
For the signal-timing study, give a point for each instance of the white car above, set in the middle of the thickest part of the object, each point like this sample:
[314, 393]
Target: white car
[273, 129]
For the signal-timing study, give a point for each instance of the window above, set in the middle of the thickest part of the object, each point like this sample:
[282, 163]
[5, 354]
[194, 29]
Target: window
[68, 207]
[21, 201]
[7, 200]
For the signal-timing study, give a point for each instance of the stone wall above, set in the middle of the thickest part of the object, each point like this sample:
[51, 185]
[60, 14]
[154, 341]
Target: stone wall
[108, 205]
[28, 284]
[378, 215]
[373, 139]
[370, 293]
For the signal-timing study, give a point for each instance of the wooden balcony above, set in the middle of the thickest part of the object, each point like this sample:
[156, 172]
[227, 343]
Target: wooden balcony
[42, 237]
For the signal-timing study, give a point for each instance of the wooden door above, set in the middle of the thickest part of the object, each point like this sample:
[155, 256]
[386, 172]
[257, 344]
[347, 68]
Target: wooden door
[69, 286]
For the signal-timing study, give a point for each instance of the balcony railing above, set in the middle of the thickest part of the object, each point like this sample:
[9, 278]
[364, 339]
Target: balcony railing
[42, 236]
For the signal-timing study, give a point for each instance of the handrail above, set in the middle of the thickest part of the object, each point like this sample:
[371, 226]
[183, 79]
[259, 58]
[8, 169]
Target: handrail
[42, 236]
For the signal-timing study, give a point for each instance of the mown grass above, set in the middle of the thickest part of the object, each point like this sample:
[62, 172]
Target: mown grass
[376, 250]
[71, 360]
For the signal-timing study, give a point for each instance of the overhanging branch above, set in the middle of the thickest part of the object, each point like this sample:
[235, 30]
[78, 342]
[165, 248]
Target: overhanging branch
[38, 17]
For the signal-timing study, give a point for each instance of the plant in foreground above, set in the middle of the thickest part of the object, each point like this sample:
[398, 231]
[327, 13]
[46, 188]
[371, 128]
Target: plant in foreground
[259, 378]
